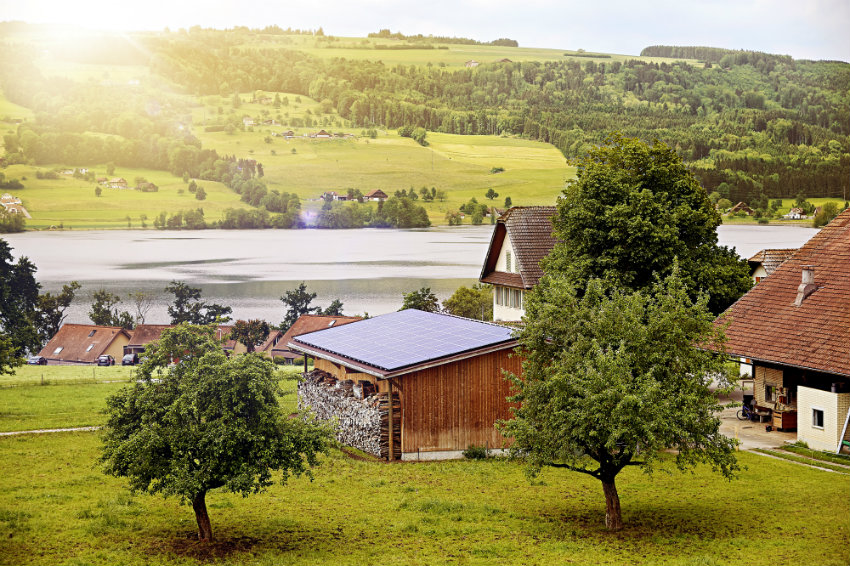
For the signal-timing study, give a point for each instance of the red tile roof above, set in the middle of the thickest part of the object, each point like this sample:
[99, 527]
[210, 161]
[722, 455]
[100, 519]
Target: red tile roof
[81, 343]
[529, 231]
[771, 259]
[766, 325]
[144, 334]
[307, 323]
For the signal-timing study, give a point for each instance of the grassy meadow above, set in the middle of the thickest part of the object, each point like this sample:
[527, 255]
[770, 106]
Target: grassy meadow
[57, 508]
[71, 203]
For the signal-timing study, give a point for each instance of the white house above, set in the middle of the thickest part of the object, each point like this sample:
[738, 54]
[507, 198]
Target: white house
[522, 237]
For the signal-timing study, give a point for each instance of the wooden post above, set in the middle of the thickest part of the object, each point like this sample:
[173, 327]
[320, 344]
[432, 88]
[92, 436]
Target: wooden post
[391, 455]
[305, 363]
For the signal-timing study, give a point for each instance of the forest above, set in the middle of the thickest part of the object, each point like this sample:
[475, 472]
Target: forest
[751, 126]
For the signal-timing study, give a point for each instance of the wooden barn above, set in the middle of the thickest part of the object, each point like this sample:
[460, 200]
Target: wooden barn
[443, 372]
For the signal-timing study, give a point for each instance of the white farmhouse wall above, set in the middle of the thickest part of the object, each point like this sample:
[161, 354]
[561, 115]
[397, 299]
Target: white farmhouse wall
[834, 407]
[501, 261]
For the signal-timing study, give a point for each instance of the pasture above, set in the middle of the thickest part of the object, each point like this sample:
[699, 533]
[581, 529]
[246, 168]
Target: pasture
[71, 203]
[56, 507]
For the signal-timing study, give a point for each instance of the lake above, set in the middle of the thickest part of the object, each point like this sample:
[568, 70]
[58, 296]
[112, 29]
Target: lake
[368, 270]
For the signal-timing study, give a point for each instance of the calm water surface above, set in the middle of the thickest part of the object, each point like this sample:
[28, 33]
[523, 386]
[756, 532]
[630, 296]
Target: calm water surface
[249, 270]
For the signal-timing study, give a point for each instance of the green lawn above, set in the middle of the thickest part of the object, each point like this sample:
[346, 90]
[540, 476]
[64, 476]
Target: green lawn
[57, 508]
[39, 397]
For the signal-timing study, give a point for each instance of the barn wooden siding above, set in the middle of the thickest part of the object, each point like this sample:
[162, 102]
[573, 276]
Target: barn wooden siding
[453, 406]
[448, 407]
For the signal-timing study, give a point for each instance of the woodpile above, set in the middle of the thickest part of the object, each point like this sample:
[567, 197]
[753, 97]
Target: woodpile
[384, 405]
[359, 413]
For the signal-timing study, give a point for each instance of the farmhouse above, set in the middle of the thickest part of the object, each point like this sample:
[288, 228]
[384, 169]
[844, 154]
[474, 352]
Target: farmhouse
[523, 237]
[765, 262]
[376, 195]
[144, 334]
[795, 327]
[471, 64]
[740, 207]
[83, 343]
[433, 382]
[118, 183]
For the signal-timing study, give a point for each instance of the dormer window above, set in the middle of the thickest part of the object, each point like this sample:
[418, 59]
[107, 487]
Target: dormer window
[508, 261]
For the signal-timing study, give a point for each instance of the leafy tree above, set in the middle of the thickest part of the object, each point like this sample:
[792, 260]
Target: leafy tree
[724, 204]
[188, 307]
[631, 211]
[51, 310]
[103, 311]
[491, 194]
[201, 193]
[508, 202]
[98, 191]
[827, 212]
[9, 359]
[333, 309]
[297, 302]
[208, 422]
[251, 333]
[10, 223]
[475, 302]
[18, 302]
[611, 378]
[423, 300]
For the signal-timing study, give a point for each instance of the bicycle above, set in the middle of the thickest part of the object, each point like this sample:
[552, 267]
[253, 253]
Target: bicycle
[746, 413]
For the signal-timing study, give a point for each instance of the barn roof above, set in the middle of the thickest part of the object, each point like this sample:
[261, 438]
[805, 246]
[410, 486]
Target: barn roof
[81, 343]
[529, 231]
[785, 322]
[401, 342]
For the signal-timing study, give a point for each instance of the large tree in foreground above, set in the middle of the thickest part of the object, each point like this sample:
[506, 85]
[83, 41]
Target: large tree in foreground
[612, 378]
[207, 422]
[631, 210]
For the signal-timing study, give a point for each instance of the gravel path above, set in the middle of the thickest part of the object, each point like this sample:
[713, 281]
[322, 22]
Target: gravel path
[45, 430]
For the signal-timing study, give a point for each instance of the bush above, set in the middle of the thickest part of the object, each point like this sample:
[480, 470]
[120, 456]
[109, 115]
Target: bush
[474, 452]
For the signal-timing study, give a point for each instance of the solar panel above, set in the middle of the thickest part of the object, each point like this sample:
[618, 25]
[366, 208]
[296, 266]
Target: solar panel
[400, 339]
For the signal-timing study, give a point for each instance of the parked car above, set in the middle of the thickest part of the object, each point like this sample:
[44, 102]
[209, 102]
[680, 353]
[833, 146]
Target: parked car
[105, 360]
[37, 361]
[130, 359]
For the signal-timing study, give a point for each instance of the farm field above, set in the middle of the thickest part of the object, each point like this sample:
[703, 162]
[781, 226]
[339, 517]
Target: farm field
[786, 206]
[71, 203]
[447, 54]
[37, 397]
[57, 508]
[534, 172]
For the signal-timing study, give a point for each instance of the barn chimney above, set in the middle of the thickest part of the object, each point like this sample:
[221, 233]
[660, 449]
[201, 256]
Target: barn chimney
[807, 284]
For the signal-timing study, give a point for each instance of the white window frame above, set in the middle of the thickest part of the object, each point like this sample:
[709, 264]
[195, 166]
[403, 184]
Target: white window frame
[822, 418]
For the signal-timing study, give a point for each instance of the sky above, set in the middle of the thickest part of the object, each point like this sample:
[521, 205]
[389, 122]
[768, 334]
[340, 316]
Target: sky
[804, 29]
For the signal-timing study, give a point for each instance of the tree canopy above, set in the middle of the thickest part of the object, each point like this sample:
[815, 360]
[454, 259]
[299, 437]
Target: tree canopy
[634, 208]
[207, 422]
[611, 378]
[188, 307]
[475, 302]
[422, 299]
[251, 333]
[298, 301]
[105, 313]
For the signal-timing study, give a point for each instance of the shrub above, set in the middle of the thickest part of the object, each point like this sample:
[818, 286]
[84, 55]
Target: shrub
[474, 452]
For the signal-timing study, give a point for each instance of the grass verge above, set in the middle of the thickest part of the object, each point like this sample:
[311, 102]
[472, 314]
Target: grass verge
[802, 460]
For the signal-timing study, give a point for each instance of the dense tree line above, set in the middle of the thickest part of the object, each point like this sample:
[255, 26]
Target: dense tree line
[757, 123]
[750, 125]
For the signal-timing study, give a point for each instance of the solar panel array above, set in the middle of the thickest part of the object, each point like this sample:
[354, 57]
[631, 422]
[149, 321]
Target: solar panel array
[400, 339]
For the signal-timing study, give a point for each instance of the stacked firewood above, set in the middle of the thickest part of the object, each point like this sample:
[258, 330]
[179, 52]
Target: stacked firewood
[384, 405]
[358, 420]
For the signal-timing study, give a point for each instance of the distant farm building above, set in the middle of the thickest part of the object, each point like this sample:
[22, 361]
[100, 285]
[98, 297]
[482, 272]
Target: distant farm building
[376, 195]
[472, 63]
[765, 262]
[83, 343]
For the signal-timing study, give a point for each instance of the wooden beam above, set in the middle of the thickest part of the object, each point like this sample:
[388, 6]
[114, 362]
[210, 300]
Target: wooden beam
[391, 455]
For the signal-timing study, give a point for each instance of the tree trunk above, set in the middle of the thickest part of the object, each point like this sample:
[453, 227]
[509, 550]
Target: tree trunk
[199, 504]
[613, 518]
